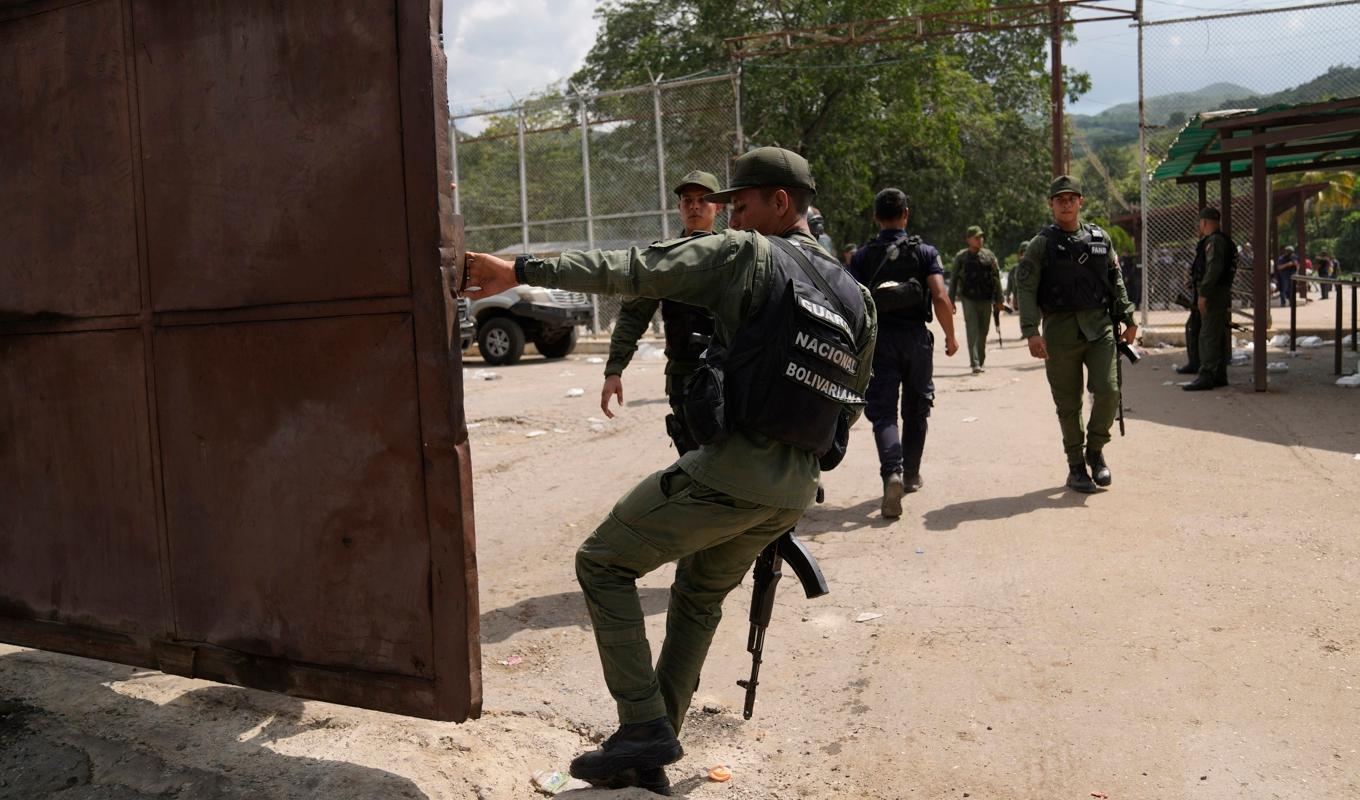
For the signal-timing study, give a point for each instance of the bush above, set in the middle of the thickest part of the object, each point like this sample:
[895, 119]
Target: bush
[1348, 243]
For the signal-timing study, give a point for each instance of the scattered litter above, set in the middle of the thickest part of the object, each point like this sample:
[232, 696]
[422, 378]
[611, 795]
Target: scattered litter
[867, 615]
[1240, 357]
[1346, 339]
[596, 427]
[566, 373]
[1249, 346]
[1164, 345]
[920, 552]
[650, 352]
[1185, 383]
[576, 392]
[1310, 341]
[511, 661]
[1279, 340]
[712, 708]
[1349, 380]
[1100, 795]
[472, 425]
[1277, 366]
[970, 419]
[1168, 383]
[594, 360]
[559, 430]
[595, 420]
[1293, 354]
[486, 375]
[1357, 456]
[551, 782]
[720, 774]
[532, 434]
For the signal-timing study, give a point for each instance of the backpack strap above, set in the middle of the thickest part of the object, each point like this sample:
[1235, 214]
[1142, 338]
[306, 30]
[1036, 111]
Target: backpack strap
[805, 264]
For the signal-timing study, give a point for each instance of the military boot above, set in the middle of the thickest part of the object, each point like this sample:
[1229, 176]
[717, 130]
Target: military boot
[1187, 369]
[913, 484]
[1078, 479]
[1100, 473]
[1201, 384]
[653, 779]
[893, 489]
[637, 746]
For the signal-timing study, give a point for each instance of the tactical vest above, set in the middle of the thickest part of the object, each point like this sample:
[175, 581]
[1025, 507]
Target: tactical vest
[688, 330]
[898, 261]
[1075, 277]
[790, 370]
[1198, 268]
[976, 282]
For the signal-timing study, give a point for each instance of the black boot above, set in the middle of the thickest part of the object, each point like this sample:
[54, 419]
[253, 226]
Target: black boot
[1078, 479]
[912, 484]
[653, 779]
[637, 746]
[1188, 369]
[1099, 471]
[1199, 385]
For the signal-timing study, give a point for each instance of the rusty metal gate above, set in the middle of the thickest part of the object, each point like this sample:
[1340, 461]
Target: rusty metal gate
[231, 433]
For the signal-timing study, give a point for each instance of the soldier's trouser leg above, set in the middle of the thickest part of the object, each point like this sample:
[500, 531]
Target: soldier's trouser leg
[977, 320]
[1193, 326]
[1064, 369]
[667, 517]
[881, 406]
[1215, 345]
[918, 397]
[1103, 384]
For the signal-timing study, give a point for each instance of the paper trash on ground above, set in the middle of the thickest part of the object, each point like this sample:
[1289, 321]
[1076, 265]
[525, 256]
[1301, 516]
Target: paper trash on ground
[867, 615]
[1277, 366]
[576, 392]
[1279, 340]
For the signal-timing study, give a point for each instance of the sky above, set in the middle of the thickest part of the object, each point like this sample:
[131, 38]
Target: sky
[501, 49]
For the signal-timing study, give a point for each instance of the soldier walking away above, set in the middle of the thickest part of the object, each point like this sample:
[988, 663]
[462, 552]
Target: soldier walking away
[1286, 266]
[906, 279]
[1068, 279]
[1324, 270]
[687, 327]
[792, 343]
[1212, 277]
[977, 276]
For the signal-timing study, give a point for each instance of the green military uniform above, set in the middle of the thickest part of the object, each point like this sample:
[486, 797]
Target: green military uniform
[1075, 340]
[717, 507]
[1212, 279]
[977, 305]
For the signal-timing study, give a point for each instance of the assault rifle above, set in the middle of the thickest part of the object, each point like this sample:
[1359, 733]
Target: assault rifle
[996, 317]
[1123, 348]
[766, 574]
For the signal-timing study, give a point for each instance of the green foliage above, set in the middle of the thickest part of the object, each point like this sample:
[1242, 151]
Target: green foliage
[1348, 242]
[958, 124]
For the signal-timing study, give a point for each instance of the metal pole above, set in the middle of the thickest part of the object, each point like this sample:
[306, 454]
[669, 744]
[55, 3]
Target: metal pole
[660, 160]
[1336, 342]
[453, 149]
[741, 134]
[1260, 193]
[1355, 339]
[1142, 176]
[590, 211]
[523, 185]
[1056, 86]
[1225, 197]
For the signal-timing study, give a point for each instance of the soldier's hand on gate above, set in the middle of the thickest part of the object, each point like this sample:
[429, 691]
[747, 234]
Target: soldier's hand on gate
[1037, 347]
[613, 386]
[485, 275]
[1131, 333]
[951, 345]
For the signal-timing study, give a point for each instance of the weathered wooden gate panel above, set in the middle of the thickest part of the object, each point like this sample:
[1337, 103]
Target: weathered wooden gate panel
[231, 432]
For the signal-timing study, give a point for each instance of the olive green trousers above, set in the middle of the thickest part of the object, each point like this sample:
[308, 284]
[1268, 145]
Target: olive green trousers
[977, 321]
[714, 537]
[1075, 364]
[1215, 342]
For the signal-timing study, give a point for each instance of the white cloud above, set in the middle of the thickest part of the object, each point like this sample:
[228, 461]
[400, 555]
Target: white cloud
[503, 48]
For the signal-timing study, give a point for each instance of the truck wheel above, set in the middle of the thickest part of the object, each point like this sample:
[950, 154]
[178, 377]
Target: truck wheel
[501, 341]
[559, 345]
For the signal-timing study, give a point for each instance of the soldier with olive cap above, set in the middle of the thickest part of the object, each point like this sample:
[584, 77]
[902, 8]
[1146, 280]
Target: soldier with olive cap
[1211, 277]
[687, 327]
[793, 339]
[977, 276]
[1070, 279]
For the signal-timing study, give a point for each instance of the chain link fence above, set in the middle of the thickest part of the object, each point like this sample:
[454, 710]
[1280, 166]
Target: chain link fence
[576, 172]
[1306, 53]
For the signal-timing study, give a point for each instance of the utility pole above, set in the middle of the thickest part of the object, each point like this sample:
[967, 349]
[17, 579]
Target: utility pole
[1055, 91]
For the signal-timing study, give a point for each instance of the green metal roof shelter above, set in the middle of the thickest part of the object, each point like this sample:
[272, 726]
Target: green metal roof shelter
[1255, 143]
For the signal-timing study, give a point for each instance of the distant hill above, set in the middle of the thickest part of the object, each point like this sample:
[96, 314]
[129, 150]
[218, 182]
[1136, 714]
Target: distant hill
[1118, 125]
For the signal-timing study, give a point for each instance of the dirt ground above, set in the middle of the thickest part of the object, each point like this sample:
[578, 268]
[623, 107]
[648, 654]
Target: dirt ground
[1191, 633]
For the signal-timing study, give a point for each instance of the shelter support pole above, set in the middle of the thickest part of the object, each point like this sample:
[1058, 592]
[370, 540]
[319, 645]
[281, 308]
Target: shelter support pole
[1225, 197]
[1055, 87]
[1203, 193]
[1260, 187]
[1301, 237]
[660, 160]
[1355, 331]
[1336, 365]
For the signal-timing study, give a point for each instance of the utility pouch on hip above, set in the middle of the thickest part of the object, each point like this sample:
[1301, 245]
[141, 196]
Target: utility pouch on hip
[704, 408]
[908, 295]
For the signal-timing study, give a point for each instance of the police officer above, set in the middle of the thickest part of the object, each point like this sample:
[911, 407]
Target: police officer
[1070, 279]
[794, 336]
[977, 276]
[688, 328]
[817, 224]
[906, 279]
[1212, 277]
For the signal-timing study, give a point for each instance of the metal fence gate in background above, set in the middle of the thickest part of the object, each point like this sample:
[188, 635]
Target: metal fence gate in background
[590, 171]
[1312, 52]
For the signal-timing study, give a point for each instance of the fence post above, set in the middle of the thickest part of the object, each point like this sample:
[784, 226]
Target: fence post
[1143, 260]
[741, 134]
[590, 210]
[453, 150]
[523, 184]
[660, 159]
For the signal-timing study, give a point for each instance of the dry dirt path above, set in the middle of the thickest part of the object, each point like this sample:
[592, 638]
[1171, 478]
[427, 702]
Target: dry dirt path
[1192, 632]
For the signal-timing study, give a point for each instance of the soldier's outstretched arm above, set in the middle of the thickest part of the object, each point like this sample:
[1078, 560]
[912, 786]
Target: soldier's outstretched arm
[944, 312]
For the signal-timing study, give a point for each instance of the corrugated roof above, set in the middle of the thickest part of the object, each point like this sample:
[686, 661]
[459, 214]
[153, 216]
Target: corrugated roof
[1195, 141]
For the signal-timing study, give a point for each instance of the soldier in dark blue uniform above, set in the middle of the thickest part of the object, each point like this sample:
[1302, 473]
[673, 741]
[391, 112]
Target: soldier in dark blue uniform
[906, 279]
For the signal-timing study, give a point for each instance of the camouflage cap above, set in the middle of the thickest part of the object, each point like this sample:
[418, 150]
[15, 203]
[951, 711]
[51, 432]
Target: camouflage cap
[1210, 213]
[1063, 184]
[767, 166]
[704, 180]
[973, 230]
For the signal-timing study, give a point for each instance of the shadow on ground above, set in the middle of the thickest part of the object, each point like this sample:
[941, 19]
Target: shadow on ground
[955, 514]
[209, 743]
[562, 610]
